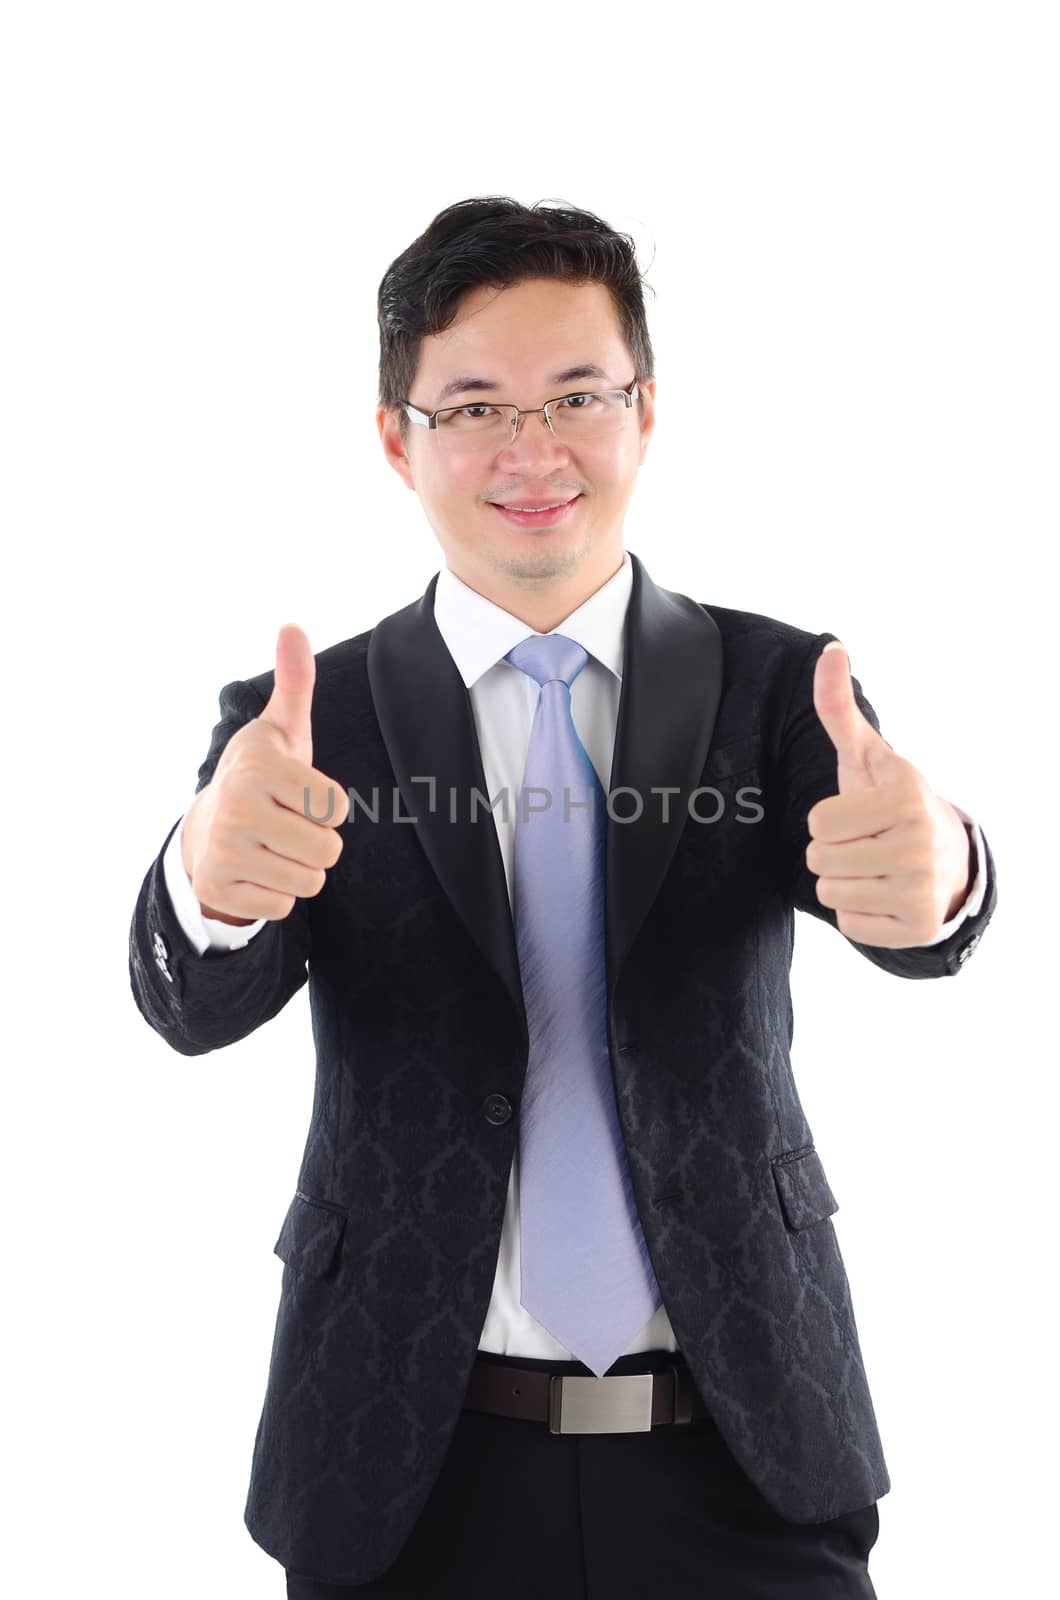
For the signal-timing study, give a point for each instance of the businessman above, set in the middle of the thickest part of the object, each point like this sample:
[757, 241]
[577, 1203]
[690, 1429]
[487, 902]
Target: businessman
[563, 1309]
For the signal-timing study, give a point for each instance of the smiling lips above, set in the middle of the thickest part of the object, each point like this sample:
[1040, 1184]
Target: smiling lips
[545, 517]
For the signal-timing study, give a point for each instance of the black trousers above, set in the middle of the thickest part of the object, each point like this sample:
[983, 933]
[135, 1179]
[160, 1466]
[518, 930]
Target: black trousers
[521, 1512]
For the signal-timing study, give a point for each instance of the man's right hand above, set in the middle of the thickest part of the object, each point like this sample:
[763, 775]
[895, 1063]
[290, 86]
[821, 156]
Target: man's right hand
[249, 848]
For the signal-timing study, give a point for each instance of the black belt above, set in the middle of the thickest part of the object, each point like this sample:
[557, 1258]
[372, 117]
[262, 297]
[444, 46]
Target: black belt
[631, 1402]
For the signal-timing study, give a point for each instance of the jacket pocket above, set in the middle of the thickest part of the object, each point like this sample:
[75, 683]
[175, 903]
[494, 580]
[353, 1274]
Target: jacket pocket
[309, 1238]
[805, 1196]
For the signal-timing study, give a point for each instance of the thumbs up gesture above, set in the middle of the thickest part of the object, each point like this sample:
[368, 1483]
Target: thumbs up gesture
[291, 701]
[892, 858]
[263, 832]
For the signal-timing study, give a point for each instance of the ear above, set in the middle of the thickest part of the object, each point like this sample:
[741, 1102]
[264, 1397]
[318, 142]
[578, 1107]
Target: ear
[648, 427]
[388, 423]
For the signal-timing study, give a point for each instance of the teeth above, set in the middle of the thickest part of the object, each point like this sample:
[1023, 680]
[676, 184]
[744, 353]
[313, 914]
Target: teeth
[537, 508]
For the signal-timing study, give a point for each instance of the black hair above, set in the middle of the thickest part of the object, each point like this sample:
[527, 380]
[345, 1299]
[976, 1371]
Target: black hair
[497, 241]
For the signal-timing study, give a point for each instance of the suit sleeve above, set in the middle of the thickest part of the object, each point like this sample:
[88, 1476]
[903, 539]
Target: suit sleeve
[806, 773]
[201, 1002]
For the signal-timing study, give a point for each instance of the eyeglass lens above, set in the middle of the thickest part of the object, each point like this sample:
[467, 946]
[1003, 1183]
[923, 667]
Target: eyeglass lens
[580, 416]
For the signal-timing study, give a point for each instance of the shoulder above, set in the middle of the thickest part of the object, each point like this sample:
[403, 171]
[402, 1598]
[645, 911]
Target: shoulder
[753, 631]
[761, 647]
[763, 660]
[341, 670]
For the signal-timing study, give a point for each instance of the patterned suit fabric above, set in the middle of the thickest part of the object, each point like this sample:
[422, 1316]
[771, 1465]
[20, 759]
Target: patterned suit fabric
[391, 1237]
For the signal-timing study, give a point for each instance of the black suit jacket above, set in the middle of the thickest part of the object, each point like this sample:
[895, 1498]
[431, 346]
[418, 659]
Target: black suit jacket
[390, 1242]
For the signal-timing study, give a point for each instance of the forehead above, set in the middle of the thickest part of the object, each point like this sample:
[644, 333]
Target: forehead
[525, 334]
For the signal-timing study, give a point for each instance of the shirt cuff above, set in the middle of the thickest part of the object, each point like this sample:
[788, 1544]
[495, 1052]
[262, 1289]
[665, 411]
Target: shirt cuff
[205, 933]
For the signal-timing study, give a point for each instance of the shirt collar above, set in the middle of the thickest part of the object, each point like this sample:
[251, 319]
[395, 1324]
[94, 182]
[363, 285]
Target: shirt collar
[478, 633]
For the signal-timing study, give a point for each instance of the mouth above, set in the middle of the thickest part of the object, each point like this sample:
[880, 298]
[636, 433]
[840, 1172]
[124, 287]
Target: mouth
[547, 518]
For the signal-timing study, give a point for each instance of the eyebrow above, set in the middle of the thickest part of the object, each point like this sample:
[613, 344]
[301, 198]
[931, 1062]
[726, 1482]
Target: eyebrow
[463, 384]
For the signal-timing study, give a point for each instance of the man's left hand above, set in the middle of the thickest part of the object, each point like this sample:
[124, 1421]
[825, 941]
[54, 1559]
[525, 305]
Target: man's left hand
[892, 857]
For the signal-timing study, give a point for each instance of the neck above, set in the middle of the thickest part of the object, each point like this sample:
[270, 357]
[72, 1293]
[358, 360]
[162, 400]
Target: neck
[543, 603]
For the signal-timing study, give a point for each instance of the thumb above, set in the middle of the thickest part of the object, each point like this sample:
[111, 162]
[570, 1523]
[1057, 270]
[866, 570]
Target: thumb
[291, 701]
[857, 744]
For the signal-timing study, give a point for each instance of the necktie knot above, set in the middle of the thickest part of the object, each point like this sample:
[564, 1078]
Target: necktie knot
[549, 655]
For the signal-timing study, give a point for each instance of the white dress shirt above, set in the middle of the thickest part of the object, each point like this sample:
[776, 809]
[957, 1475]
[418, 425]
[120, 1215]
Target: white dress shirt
[478, 634]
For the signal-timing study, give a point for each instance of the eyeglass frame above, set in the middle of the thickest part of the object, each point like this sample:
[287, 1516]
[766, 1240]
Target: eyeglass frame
[428, 419]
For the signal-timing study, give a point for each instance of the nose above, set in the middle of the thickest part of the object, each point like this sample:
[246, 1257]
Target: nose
[534, 440]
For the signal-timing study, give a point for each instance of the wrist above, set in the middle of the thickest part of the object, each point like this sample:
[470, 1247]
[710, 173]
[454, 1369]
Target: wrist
[187, 855]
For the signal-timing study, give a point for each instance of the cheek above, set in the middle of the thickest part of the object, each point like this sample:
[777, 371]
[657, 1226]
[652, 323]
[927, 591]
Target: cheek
[466, 479]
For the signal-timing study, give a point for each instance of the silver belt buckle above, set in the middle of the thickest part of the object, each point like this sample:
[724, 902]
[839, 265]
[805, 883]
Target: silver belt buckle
[621, 1404]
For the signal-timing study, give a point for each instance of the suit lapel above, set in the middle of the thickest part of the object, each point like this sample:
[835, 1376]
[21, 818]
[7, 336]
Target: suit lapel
[671, 686]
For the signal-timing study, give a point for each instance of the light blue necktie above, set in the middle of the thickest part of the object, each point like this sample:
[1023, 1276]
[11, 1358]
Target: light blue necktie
[587, 1276]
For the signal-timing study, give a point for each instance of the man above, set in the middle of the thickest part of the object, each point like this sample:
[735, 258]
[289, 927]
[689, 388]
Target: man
[563, 1310]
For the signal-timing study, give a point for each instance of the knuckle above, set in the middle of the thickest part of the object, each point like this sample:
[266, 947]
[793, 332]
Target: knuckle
[251, 777]
[234, 803]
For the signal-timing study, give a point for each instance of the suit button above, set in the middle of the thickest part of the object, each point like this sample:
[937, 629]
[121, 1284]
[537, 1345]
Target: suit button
[497, 1108]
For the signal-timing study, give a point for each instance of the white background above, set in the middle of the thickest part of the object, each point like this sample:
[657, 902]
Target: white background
[847, 214]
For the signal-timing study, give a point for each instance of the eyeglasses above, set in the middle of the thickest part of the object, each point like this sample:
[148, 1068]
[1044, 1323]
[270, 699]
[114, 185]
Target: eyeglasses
[571, 417]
